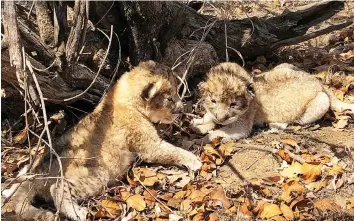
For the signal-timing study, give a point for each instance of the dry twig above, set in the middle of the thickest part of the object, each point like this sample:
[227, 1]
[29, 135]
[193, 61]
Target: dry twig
[271, 150]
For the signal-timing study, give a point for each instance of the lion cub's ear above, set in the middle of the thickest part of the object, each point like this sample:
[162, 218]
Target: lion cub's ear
[148, 65]
[151, 90]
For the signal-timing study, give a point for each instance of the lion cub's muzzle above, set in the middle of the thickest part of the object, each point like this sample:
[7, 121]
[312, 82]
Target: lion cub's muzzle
[179, 107]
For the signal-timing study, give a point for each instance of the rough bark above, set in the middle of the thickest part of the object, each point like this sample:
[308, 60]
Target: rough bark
[170, 32]
[44, 22]
[13, 40]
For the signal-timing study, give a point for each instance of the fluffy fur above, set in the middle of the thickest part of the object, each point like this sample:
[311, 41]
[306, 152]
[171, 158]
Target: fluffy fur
[281, 96]
[103, 145]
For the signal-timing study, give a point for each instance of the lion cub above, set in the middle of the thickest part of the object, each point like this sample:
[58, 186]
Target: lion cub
[103, 145]
[278, 97]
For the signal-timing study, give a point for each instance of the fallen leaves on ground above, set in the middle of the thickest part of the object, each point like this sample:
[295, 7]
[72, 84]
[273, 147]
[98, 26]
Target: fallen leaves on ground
[167, 194]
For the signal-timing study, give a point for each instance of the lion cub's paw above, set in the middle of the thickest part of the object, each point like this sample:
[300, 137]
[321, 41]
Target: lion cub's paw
[200, 129]
[192, 162]
[197, 126]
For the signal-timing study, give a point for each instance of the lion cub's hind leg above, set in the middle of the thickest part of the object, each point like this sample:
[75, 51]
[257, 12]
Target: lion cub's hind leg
[315, 110]
[21, 203]
[68, 205]
[276, 127]
[337, 104]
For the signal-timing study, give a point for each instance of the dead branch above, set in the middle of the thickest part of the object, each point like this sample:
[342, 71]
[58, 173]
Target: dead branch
[77, 34]
[98, 72]
[44, 23]
[13, 40]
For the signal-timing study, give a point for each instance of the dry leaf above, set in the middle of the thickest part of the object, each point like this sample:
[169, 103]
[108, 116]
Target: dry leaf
[175, 203]
[131, 181]
[266, 192]
[110, 209]
[285, 156]
[186, 206]
[290, 141]
[287, 212]
[311, 172]
[291, 187]
[146, 176]
[334, 170]
[245, 208]
[327, 205]
[136, 201]
[218, 195]
[166, 196]
[149, 197]
[316, 186]
[227, 149]
[347, 55]
[271, 180]
[301, 204]
[259, 207]
[278, 218]
[341, 123]
[180, 195]
[178, 178]
[212, 217]
[198, 217]
[174, 217]
[213, 154]
[292, 171]
[21, 137]
[276, 3]
[270, 210]
[197, 196]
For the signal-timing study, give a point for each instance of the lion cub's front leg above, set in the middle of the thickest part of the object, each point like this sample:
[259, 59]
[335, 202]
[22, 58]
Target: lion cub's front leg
[166, 153]
[234, 131]
[203, 125]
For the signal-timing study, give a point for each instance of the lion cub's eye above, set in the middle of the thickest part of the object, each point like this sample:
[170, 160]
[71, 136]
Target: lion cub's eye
[170, 99]
[213, 101]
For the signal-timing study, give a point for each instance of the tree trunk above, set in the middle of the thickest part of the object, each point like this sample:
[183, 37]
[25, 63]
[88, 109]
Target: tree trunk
[71, 64]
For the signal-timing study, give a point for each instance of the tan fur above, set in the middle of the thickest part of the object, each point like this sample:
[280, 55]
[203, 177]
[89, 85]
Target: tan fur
[103, 145]
[283, 95]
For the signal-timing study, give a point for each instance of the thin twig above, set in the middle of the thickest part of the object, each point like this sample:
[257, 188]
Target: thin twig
[239, 54]
[97, 74]
[47, 129]
[191, 57]
[36, 151]
[47, 68]
[105, 14]
[115, 71]
[271, 150]
[76, 109]
[226, 53]
[306, 37]
[30, 11]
